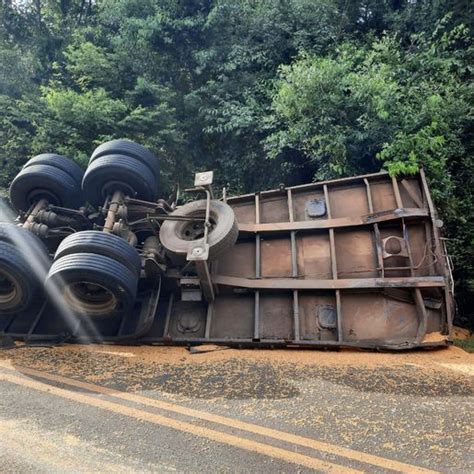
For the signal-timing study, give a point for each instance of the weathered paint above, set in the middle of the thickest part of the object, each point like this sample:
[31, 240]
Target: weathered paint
[367, 272]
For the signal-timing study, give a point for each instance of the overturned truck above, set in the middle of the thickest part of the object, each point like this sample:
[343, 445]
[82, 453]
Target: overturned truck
[94, 256]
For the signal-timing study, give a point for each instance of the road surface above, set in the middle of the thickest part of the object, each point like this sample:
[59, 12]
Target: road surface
[148, 409]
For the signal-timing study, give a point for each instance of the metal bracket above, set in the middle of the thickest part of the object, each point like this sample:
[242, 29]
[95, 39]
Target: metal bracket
[394, 246]
[207, 287]
[190, 289]
[198, 252]
[316, 208]
[204, 179]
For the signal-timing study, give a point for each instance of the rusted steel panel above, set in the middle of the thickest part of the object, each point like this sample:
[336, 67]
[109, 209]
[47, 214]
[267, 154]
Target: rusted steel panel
[355, 261]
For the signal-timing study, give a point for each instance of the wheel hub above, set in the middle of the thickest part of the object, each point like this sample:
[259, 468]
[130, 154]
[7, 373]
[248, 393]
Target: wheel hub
[194, 230]
[8, 288]
[90, 298]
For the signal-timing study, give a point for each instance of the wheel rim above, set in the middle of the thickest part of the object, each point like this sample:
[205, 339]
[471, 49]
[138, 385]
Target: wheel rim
[8, 289]
[37, 194]
[193, 230]
[90, 298]
[111, 186]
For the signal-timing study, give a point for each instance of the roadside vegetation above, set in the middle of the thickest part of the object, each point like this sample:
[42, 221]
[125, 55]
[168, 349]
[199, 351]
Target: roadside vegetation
[262, 91]
[466, 344]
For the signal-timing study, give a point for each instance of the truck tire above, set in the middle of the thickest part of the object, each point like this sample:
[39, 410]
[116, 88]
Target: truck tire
[176, 236]
[94, 285]
[18, 284]
[58, 161]
[118, 173]
[130, 149]
[100, 243]
[16, 235]
[39, 181]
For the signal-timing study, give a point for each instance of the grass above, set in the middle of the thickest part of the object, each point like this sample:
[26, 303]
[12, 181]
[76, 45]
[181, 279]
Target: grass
[466, 344]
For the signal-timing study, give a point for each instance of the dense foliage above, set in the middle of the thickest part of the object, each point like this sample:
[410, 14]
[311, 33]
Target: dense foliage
[262, 91]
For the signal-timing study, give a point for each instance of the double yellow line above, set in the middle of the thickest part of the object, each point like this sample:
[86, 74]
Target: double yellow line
[214, 435]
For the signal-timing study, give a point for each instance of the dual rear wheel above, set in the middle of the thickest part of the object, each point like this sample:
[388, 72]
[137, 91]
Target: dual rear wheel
[95, 273]
[121, 165]
[55, 178]
[118, 165]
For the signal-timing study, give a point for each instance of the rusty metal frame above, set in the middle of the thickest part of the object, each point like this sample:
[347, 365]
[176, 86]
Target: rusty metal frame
[400, 215]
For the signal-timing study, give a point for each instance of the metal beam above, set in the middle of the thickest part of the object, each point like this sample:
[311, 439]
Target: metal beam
[339, 284]
[368, 219]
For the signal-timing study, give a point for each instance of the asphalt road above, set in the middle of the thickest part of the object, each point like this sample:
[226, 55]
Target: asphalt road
[123, 409]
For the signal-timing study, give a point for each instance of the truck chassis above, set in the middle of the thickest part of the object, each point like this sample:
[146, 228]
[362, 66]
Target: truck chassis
[352, 262]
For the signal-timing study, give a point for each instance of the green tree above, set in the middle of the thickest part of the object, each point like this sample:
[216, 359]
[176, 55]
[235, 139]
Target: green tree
[261, 91]
[360, 109]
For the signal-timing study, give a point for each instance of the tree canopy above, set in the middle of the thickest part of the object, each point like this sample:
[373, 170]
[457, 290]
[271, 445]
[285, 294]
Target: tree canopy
[262, 91]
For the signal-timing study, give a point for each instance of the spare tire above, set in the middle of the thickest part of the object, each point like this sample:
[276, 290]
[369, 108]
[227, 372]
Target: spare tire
[40, 181]
[100, 243]
[94, 285]
[58, 161]
[110, 173]
[176, 236]
[131, 149]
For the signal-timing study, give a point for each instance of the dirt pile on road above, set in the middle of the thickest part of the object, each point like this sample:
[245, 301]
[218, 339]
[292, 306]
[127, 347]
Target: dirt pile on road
[244, 374]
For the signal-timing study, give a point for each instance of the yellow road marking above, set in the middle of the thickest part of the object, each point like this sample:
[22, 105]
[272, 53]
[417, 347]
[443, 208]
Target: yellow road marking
[218, 436]
[227, 421]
